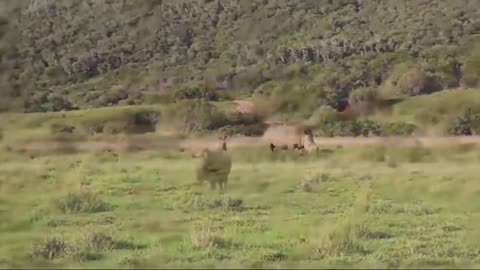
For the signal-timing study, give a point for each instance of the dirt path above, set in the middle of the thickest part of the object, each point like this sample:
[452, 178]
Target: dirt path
[195, 145]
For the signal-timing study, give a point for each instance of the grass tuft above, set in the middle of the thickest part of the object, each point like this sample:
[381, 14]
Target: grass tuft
[51, 248]
[205, 236]
[84, 201]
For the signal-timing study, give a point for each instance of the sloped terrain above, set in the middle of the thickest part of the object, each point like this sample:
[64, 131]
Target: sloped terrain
[73, 54]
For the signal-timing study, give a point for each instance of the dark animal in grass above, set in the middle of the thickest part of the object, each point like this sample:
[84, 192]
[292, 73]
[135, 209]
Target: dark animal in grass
[272, 147]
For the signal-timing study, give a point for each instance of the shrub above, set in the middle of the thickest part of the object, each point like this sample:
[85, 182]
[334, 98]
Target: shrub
[136, 122]
[60, 128]
[228, 204]
[252, 130]
[102, 241]
[249, 78]
[398, 129]
[44, 103]
[363, 99]
[366, 127]
[416, 82]
[196, 93]
[91, 246]
[247, 124]
[51, 248]
[111, 128]
[166, 98]
[471, 69]
[342, 240]
[84, 255]
[82, 201]
[465, 125]
[322, 116]
[369, 128]
[65, 132]
[352, 128]
[204, 236]
[336, 98]
[198, 115]
[142, 121]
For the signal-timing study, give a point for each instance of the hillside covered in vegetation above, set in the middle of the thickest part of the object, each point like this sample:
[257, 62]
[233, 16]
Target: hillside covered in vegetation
[309, 58]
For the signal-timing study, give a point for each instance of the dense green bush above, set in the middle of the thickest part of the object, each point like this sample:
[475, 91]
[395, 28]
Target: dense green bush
[352, 128]
[471, 69]
[335, 97]
[364, 99]
[196, 93]
[47, 103]
[252, 130]
[197, 115]
[416, 82]
[398, 129]
[368, 95]
[231, 44]
[57, 128]
[467, 124]
[366, 128]
[129, 122]
[81, 201]
[322, 116]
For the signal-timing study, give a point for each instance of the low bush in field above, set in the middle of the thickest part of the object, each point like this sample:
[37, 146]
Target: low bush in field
[82, 201]
[466, 124]
[51, 248]
[366, 128]
[398, 129]
[135, 122]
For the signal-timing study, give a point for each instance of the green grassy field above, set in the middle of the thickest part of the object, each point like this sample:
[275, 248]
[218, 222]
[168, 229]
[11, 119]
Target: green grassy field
[348, 206]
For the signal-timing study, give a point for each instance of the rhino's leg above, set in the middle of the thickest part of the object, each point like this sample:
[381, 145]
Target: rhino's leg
[213, 185]
[223, 185]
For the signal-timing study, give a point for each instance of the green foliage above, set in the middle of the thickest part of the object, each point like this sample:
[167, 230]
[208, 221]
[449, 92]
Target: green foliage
[196, 93]
[251, 130]
[105, 242]
[350, 128]
[416, 82]
[322, 116]
[466, 124]
[128, 122]
[398, 129]
[363, 97]
[156, 46]
[247, 124]
[471, 69]
[60, 128]
[344, 220]
[336, 98]
[438, 108]
[198, 115]
[47, 103]
[359, 127]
